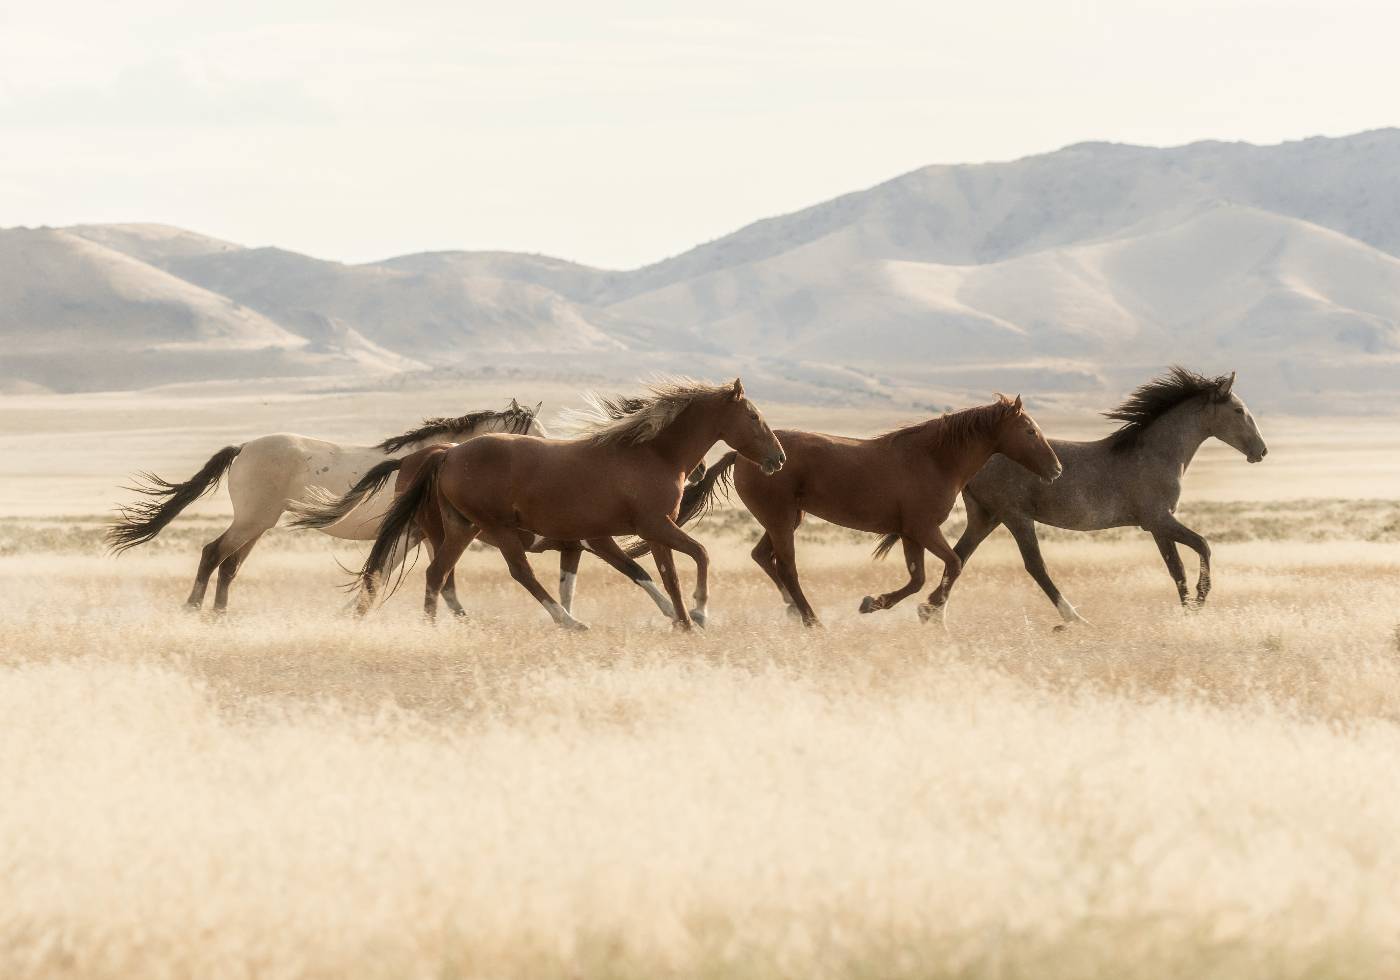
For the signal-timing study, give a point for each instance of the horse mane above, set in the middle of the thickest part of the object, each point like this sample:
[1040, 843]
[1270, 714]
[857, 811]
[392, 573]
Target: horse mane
[953, 430]
[1150, 401]
[632, 420]
[517, 420]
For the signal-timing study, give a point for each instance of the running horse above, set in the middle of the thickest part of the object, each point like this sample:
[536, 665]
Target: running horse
[902, 483]
[264, 473]
[1130, 478]
[323, 510]
[621, 475]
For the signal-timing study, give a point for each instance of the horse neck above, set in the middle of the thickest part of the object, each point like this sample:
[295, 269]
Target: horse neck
[1175, 437]
[963, 458]
[686, 440]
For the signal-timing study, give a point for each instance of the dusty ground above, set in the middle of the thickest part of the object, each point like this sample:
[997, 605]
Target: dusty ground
[290, 793]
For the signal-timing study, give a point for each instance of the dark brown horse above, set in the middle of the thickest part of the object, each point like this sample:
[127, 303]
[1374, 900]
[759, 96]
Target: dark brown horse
[625, 475]
[903, 482]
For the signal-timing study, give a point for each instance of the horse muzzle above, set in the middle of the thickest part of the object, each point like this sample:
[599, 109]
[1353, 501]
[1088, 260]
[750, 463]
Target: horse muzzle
[1255, 457]
[773, 464]
[1050, 476]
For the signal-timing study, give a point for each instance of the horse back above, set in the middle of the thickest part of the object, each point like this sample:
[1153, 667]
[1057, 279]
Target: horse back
[1097, 489]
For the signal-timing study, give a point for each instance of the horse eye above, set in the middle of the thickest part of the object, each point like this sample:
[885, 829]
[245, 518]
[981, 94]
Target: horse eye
[1239, 411]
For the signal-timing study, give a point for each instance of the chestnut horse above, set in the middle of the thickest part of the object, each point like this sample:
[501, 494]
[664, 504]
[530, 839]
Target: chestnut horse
[903, 482]
[326, 510]
[623, 475]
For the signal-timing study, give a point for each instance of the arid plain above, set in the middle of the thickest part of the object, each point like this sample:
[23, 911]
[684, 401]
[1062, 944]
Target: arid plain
[287, 792]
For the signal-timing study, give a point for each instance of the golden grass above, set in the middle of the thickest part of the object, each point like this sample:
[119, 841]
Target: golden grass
[288, 793]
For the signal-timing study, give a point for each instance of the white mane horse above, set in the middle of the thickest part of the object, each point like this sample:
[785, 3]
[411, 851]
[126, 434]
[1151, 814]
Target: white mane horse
[268, 471]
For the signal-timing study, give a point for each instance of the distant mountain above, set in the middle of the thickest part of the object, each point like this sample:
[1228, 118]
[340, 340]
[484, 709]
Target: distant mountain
[1074, 269]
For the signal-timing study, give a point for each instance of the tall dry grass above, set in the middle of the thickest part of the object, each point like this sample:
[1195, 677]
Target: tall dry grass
[288, 793]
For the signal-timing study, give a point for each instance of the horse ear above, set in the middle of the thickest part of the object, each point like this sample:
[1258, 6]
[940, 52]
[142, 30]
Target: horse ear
[1222, 390]
[514, 405]
[538, 406]
[1017, 403]
[738, 389]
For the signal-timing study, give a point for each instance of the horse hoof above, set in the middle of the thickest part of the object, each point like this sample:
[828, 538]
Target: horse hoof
[574, 626]
[191, 607]
[869, 605]
[928, 612]
[1061, 628]
[700, 618]
[793, 612]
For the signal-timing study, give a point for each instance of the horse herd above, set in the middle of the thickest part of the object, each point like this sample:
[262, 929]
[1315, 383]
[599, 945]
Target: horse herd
[634, 467]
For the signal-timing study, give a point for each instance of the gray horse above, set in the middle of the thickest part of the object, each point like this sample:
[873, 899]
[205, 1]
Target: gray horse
[1131, 478]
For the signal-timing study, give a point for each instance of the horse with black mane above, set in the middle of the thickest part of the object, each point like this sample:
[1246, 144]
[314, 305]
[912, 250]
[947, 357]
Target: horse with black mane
[1129, 478]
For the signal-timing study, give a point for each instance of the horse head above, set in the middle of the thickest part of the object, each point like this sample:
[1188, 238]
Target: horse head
[1020, 440]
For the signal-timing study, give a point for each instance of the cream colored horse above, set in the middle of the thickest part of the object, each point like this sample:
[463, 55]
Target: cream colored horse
[265, 473]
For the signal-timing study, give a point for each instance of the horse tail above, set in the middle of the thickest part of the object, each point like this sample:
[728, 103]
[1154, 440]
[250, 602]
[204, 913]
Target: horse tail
[886, 543]
[398, 521]
[322, 508]
[140, 522]
[699, 497]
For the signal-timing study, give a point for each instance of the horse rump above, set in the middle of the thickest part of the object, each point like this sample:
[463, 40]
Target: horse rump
[323, 508]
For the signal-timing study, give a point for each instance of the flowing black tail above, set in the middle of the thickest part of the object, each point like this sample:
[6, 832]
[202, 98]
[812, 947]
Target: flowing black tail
[322, 508]
[399, 522]
[886, 543]
[699, 497]
[143, 520]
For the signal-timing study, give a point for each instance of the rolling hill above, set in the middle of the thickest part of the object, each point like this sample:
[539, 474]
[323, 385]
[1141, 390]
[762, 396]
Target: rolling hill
[1071, 270]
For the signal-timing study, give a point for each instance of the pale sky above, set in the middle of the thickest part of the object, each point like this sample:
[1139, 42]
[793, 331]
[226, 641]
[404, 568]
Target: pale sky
[618, 133]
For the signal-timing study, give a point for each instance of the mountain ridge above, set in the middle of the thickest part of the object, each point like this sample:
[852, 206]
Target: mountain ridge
[1086, 257]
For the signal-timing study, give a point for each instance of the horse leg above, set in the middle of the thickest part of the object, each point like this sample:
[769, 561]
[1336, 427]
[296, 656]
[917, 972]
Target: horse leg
[937, 606]
[1167, 546]
[669, 534]
[1182, 534]
[457, 533]
[228, 569]
[449, 584]
[220, 550]
[568, 575]
[763, 554]
[914, 561]
[209, 559]
[449, 595]
[508, 541]
[1026, 540]
[980, 523]
[612, 553]
[785, 556]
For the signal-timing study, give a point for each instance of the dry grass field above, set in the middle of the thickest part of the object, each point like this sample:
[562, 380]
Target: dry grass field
[289, 793]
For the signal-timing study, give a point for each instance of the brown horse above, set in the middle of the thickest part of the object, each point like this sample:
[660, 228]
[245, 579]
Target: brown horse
[903, 482]
[327, 510]
[624, 475]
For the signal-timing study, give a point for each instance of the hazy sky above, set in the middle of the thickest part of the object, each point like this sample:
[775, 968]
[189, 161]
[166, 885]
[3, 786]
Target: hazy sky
[616, 133]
